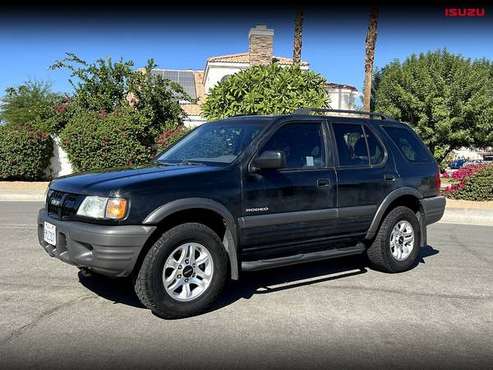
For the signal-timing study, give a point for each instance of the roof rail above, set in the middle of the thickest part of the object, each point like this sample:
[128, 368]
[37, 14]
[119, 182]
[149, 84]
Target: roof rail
[323, 110]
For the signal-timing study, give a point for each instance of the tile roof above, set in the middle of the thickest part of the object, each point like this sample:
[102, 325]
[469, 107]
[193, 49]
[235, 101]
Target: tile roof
[243, 58]
[340, 86]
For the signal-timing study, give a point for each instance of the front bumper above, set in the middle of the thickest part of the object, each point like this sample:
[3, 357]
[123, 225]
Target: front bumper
[108, 250]
[433, 208]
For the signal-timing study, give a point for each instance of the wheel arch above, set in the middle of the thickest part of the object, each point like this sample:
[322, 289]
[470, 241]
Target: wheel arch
[406, 196]
[202, 210]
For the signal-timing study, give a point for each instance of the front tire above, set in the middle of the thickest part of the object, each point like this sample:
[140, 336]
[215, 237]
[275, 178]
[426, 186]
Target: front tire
[396, 246]
[183, 273]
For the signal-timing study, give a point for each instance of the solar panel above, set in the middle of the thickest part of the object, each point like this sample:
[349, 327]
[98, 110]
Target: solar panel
[185, 79]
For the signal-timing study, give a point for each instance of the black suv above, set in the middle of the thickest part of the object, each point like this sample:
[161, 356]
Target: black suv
[248, 193]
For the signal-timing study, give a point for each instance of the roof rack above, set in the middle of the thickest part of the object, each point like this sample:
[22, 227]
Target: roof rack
[322, 110]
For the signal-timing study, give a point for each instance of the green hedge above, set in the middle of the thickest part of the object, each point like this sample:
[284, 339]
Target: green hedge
[271, 89]
[24, 153]
[95, 141]
[477, 187]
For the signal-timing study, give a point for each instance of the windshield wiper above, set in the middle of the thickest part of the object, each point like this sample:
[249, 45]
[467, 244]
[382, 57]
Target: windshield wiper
[188, 162]
[164, 163]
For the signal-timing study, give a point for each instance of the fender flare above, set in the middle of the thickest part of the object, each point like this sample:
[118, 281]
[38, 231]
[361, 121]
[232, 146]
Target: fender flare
[230, 240]
[384, 205]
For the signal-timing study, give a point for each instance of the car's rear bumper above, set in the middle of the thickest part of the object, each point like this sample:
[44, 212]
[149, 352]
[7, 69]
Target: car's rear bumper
[433, 209]
[108, 250]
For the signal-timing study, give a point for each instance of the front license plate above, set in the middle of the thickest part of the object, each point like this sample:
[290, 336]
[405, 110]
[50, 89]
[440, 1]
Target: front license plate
[50, 233]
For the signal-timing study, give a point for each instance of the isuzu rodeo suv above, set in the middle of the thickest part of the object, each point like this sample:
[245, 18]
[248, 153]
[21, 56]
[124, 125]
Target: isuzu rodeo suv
[248, 193]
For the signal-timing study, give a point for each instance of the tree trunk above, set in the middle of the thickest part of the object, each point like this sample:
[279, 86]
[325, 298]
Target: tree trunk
[298, 35]
[442, 157]
[371, 40]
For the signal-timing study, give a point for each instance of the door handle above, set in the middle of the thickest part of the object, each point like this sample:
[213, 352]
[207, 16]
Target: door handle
[323, 183]
[389, 177]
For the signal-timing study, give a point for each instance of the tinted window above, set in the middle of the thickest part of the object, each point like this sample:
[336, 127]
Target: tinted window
[377, 152]
[408, 143]
[213, 142]
[302, 144]
[351, 144]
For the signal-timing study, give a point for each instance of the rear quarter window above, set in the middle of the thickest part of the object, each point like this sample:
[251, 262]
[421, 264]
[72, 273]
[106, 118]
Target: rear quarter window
[409, 144]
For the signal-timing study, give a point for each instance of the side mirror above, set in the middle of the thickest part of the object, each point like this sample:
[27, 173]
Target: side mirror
[270, 160]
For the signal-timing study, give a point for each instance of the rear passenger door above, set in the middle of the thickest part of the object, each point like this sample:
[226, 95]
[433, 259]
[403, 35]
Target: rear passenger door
[364, 172]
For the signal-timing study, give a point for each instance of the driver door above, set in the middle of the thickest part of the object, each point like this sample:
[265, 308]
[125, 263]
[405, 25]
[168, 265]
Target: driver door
[283, 208]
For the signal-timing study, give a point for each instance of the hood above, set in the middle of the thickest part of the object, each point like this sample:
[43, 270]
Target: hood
[111, 182]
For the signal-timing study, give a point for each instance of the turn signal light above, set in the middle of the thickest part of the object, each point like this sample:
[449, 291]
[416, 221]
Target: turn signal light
[116, 208]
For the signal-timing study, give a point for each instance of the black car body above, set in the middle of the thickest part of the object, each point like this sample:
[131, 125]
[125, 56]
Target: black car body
[289, 189]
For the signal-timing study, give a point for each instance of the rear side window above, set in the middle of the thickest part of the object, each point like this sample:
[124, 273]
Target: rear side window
[412, 148]
[351, 144]
[377, 153]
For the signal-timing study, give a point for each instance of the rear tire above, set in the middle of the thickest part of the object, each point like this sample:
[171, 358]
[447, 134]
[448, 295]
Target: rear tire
[183, 273]
[396, 246]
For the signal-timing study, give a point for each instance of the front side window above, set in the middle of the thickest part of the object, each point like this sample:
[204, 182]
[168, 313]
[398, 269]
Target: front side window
[302, 144]
[213, 142]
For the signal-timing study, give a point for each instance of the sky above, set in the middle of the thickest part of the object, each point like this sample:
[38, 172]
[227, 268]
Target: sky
[333, 38]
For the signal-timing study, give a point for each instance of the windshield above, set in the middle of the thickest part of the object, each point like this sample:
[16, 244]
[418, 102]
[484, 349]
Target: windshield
[213, 142]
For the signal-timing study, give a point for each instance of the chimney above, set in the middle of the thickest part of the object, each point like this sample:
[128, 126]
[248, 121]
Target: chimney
[260, 40]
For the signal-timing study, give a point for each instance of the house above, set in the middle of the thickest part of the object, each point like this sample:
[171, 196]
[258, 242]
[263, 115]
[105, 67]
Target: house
[197, 83]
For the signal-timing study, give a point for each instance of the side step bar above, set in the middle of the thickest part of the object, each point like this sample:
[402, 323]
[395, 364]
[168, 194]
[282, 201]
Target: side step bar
[302, 258]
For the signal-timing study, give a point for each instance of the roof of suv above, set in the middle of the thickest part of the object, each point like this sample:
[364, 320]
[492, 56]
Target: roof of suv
[269, 118]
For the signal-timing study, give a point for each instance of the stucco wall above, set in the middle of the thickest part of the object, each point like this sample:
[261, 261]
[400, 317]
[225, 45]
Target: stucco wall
[216, 71]
[59, 162]
[342, 98]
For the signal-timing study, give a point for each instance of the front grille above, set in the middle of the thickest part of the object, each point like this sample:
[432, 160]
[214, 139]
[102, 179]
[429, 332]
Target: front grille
[60, 204]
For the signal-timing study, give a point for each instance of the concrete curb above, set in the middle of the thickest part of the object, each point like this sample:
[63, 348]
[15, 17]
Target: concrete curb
[468, 216]
[27, 191]
[22, 197]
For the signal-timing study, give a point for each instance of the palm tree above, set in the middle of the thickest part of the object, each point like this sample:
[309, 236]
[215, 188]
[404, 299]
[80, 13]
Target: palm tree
[371, 40]
[298, 34]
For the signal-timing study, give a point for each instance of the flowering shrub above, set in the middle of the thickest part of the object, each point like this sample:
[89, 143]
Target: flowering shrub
[473, 182]
[170, 136]
[467, 171]
[451, 188]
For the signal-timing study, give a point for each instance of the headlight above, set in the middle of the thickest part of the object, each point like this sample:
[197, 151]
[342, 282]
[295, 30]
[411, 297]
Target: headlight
[94, 207]
[103, 208]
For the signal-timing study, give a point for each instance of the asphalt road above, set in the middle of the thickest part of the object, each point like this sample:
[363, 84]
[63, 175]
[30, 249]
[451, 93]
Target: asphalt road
[324, 314]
